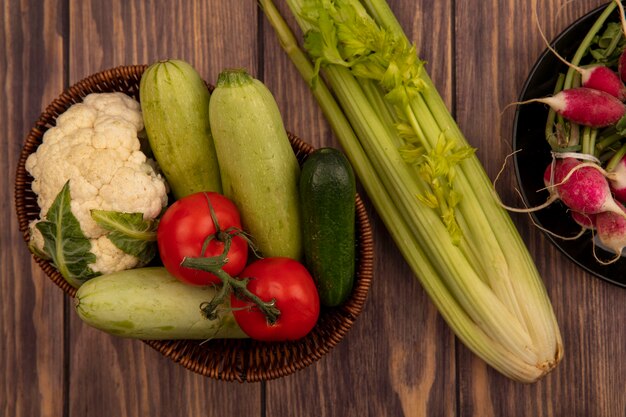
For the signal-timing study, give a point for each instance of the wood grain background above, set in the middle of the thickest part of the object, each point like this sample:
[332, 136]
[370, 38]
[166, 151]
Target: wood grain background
[399, 359]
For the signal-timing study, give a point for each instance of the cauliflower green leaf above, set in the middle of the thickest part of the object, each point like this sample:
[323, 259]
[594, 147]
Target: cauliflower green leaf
[65, 242]
[130, 232]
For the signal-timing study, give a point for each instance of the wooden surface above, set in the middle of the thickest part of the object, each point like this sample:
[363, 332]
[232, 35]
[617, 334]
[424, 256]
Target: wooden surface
[400, 359]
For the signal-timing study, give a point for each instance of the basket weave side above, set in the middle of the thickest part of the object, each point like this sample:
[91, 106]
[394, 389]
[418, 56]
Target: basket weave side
[242, 360]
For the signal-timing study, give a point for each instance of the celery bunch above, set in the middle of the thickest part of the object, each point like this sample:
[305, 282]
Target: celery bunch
[424, 180]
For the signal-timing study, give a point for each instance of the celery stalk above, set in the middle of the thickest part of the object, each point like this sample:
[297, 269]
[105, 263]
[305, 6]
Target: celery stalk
[529, 287]
[467, 254]
[476, 298]
[469, 332]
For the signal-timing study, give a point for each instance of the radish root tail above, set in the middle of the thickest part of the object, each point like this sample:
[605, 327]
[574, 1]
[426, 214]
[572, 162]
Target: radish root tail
[551, 199]
[578, 235]
[519, 103]
[557, 16]
[601, 261]
[551, 233]
[550, 48]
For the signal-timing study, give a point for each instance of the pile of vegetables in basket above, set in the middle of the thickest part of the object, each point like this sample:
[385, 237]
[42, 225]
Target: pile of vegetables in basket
[188, 216]
[424, 180]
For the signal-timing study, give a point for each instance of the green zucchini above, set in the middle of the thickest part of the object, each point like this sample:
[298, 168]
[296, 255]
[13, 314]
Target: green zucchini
[327, 197]
[258, 167]
[149, 303]
[175, 106]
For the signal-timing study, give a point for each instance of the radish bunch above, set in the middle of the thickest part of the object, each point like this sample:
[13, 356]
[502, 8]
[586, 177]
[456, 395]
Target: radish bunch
[586, 129]
[588, 191]
[598, 99]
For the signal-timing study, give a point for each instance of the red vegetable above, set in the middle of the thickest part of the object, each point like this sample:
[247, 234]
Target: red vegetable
[617, 179]
[588, 221]
[604, 79]
[597, 77]
[548, 180]
[584, 189]
[586, 106]
[188, 224]
[291, 286]
[611, 229]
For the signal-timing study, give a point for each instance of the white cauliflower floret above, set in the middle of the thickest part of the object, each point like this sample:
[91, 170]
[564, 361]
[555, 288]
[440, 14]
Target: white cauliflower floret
[36, 239]
[78, 116]
[95, 147]
[109, 258]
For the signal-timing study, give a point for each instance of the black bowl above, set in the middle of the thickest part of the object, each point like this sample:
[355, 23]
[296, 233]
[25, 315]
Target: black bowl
[533, 156]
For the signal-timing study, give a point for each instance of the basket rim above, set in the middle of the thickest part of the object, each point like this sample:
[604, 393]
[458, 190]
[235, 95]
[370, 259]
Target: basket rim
[188, 352]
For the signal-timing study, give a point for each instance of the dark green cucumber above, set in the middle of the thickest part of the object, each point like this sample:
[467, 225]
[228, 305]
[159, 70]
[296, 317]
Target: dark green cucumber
[327, 200]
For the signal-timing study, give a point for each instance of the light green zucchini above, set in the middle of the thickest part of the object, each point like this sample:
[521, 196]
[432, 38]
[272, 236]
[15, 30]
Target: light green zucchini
[258, 167]
[150, 304]
[175, 106]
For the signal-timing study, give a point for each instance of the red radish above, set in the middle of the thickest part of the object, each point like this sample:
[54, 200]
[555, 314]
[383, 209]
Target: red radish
[597, 77]
[581, 186]
[604, 79]
[584, 188]
[585, 106]
[549, 182]
[611, 228]
[548, 177]
[617, 180]
[587, 221]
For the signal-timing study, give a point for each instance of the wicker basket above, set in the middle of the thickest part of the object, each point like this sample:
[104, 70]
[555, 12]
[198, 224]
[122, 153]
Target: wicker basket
[228, 360]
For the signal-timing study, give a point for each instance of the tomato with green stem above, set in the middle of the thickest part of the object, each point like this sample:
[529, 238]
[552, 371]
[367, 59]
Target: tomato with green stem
[204, 224]
[289, 287]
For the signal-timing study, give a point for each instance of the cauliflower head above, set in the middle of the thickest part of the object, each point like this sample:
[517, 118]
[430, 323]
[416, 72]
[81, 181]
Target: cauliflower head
[95, 146]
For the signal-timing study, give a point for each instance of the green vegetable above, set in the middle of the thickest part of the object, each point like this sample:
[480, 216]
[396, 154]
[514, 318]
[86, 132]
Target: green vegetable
[258, 167]
[175, 107]
[425, 182]
[70, 250]
[149, 303]
[64, 241]
[327, 193]
[129, 232]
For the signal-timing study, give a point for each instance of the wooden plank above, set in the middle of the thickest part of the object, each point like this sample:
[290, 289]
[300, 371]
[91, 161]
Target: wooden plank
[112, 376]
[31, 307]
[398, 359]
[210, 35]
[497, 44]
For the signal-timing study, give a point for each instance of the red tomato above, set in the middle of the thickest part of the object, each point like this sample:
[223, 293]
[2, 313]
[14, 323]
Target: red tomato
[291, 285]
[185, 226]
